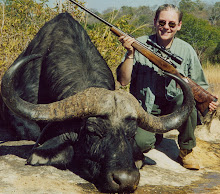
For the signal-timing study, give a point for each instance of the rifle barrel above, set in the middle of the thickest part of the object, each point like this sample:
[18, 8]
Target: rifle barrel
[93, 14]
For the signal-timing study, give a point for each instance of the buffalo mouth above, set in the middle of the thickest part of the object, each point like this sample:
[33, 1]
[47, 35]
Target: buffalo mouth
[117, 181]
[106, 179]
[124, 180]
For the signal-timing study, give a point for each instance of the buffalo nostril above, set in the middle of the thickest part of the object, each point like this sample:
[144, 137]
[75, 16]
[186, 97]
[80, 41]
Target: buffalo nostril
[126, 180]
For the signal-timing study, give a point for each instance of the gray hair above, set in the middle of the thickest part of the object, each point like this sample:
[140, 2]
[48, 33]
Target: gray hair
[167, 7]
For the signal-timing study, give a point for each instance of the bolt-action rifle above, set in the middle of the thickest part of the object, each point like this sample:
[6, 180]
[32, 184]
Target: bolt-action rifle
[202, 97]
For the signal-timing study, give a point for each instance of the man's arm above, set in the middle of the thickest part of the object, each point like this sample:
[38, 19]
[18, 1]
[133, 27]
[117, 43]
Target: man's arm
[125, 70]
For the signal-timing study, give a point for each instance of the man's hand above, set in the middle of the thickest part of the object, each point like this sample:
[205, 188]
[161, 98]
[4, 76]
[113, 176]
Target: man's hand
[213, 105]
[126, 43]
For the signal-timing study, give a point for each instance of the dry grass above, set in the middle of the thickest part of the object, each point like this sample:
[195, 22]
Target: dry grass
[212, 73]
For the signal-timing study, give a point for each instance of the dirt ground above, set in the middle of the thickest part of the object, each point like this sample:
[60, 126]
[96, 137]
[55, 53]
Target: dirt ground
[167, 176]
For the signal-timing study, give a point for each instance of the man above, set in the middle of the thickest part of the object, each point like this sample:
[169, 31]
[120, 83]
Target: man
[159, 95]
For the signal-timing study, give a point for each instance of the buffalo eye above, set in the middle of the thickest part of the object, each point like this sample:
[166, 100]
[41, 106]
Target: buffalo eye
[130, 119]
[130, 127]
[93, 131]
[98, 125]
[130, 134]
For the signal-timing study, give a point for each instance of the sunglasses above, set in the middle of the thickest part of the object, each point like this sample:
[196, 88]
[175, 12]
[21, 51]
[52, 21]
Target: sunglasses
[163, 23]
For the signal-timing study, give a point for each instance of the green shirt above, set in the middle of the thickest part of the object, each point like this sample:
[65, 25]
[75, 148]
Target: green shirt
[147, 82]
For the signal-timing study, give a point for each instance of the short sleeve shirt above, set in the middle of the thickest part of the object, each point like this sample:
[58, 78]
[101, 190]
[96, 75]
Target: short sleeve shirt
[147, 83]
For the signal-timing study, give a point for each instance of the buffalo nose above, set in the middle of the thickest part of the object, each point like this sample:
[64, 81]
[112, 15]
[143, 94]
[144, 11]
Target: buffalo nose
[126, 180]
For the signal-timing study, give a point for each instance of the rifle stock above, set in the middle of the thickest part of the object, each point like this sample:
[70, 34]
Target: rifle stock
[202, 97]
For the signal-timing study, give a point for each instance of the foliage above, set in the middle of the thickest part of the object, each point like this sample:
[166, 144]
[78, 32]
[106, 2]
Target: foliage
[20, 20]
[214, 17]
[215, 54]
[199, 33]
[201, 10]
[129, 20]
[106, 42]
[190, 6]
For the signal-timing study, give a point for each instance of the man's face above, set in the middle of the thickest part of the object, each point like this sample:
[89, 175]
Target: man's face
[167, 25]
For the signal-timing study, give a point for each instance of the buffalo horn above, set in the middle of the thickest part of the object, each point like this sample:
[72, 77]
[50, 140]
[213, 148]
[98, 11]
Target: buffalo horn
[80, 104]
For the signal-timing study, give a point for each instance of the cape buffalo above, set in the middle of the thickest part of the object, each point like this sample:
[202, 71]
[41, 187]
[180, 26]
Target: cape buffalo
[61, 93]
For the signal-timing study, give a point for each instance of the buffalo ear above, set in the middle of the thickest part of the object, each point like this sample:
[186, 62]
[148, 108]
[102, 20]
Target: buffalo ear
[55, 151]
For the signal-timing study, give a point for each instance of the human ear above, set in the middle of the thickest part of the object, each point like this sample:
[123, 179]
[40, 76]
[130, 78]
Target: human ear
[179, 26]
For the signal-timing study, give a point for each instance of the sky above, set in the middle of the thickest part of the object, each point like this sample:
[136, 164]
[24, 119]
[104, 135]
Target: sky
[101, 5]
